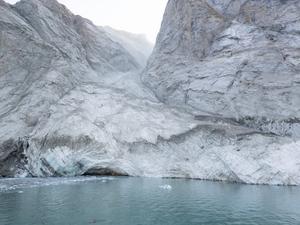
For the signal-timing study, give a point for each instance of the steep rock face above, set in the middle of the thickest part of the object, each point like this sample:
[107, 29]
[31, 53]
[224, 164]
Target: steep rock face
[236, 59]
[234, 62]
[75, 36]
[72, 102]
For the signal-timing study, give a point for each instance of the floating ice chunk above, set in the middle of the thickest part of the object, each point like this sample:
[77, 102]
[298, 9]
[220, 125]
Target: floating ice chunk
[166, 187]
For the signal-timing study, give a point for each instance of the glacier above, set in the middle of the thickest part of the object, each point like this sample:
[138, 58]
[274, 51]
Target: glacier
[218, 98]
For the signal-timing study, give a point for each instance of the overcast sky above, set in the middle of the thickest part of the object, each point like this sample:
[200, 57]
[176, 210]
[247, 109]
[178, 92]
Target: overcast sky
[136, 16]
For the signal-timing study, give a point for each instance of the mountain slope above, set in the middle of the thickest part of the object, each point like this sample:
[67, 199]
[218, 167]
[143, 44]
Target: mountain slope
[233, 59]
[62, 80]
[137, 45]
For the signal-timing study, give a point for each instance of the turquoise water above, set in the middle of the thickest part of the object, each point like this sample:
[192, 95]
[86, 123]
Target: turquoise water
[139, 201]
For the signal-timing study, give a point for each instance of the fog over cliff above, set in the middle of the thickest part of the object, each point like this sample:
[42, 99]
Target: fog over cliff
[218, 99]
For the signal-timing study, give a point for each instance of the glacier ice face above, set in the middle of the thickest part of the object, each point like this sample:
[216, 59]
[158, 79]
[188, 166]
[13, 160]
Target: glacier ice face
[72, 101]
[70, 87]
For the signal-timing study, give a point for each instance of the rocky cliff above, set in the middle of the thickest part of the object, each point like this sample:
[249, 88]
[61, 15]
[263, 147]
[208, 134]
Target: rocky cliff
[233, 59]
[218, 99]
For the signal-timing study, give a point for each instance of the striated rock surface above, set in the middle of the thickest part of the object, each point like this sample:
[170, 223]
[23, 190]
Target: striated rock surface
[235, 61]
[72, 101]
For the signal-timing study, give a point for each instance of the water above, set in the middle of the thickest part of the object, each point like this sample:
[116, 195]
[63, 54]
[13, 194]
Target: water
[138, 201]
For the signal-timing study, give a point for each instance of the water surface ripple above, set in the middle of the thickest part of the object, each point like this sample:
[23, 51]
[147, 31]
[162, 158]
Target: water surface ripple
[142, 201]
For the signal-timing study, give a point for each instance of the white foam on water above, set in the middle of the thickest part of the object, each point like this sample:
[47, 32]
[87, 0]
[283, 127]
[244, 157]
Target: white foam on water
[20, 183]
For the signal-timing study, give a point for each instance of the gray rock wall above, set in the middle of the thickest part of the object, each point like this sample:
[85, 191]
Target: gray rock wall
[233, 59]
